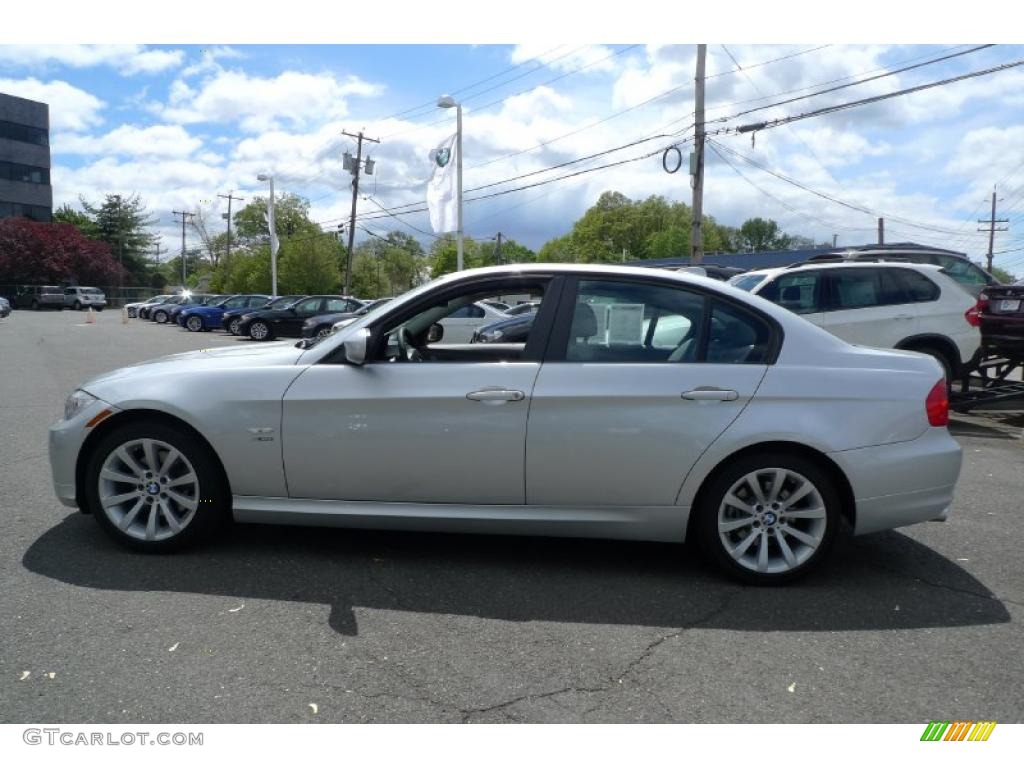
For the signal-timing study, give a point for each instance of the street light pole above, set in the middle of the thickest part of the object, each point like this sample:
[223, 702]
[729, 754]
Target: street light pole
[447, 102]
[273, 233]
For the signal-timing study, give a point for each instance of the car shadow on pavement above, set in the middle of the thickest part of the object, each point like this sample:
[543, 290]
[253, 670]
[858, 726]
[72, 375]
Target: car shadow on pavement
[883, 581]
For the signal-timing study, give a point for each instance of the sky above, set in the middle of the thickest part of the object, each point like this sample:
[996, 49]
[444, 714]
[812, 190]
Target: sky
[180, 124]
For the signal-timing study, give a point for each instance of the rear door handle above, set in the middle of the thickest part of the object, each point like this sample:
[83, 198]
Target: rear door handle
[496, 396]
[710, 393]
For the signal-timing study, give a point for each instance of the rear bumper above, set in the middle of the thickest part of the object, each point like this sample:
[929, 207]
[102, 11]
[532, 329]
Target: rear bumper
[902, 483]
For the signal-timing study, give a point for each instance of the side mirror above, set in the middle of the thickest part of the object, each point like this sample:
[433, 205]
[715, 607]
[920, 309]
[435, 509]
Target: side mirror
[435, 334]
[355, 347]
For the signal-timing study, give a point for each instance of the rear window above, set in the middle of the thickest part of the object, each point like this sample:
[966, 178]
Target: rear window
[916, 286]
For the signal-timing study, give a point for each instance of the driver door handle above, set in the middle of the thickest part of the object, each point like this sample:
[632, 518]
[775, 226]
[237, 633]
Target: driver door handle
[496, 395]
[710, 393]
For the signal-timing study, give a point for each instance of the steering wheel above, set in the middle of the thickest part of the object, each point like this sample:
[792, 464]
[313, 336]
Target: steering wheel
[408, 352]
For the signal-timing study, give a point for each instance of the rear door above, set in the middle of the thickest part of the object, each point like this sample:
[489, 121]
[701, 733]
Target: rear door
[291, 324]
[867, 306]
[459, 326]
[641, 376]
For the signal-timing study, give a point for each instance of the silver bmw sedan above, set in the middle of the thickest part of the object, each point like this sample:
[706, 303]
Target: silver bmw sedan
[644, 404]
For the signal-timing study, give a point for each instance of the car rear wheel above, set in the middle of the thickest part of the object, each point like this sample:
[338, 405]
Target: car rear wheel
[154, 487]
[194, 323]
[78, 305]
[260, 331]
[943, 360]
[35, 305]
[160, 316]
[768, 519]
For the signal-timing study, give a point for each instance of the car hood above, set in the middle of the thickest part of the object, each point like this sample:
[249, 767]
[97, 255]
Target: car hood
[243, 356]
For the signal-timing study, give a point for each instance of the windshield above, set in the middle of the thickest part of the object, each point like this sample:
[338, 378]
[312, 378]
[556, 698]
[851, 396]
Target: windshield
[283, 302]
[746, 282]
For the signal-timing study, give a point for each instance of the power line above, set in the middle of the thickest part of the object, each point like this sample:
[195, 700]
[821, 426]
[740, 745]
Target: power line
[398, 219]
[765, 63]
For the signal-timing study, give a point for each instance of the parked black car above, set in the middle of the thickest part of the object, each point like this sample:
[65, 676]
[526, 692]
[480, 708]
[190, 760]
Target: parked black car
[321, 325]
[146, 311]
[231, 320]
[515, 330]
[265, 324]
[1002, 320]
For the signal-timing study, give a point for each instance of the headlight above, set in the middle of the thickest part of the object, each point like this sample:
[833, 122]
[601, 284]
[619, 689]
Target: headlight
[77, 402]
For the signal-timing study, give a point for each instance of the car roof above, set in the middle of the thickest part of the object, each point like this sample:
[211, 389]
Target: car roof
[844, 265]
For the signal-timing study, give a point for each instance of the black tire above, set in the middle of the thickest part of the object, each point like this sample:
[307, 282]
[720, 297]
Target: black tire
[99, 309]
[709, 540]
[214, 509]
[195, 323]
[35, 305]
[233, 326]
[160, 317]
[78, 305]
[255, 332]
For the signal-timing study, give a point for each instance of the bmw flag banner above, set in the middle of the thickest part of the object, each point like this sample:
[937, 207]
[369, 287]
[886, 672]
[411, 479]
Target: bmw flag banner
[442, 193]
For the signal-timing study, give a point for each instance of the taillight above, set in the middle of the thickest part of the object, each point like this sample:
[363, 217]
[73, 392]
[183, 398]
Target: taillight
[973, 315]
[936, 405]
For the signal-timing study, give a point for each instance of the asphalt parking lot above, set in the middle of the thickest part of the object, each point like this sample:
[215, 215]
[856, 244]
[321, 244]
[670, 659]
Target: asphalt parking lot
[909, 626]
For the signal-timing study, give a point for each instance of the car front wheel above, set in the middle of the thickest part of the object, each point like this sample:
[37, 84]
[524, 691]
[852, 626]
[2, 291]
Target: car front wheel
[233, 326]
[768, 519]
[78, 306]
[260, 331]
[194, 323]
[160, 317]
[154, 487]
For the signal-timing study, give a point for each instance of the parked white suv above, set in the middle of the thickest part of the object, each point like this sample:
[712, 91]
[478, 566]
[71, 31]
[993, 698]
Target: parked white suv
[916, 307]
[79, 297]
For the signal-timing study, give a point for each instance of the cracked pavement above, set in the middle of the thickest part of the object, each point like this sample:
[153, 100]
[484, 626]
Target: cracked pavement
[906, 626]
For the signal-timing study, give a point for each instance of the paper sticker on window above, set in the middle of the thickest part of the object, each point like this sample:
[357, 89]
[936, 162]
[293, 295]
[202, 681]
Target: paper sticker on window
[626, 324]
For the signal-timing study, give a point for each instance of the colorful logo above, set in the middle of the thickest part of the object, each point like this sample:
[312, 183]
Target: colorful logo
[443, 156]
[958, 731]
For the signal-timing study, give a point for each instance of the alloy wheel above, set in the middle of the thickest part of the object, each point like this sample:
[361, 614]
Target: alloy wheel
[148, 489]
[323, 333]
[233, 326]
[259, 331]
[772, 520]
[194, 323]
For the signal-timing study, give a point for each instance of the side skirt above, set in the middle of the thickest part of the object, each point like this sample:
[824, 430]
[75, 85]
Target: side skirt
[635, 523]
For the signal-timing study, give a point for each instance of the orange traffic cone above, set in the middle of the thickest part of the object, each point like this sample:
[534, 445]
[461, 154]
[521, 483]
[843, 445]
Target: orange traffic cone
[90, 316]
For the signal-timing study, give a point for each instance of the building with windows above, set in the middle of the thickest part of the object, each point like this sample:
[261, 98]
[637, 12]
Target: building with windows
[25, 159]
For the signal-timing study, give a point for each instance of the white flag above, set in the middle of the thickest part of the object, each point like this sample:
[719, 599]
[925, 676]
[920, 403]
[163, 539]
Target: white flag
[442, 189]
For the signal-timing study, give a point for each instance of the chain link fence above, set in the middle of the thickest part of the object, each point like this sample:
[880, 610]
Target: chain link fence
[117, 296]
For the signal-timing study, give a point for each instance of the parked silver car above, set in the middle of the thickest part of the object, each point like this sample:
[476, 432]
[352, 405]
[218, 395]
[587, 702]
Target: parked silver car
[79, 297]
[644, 404]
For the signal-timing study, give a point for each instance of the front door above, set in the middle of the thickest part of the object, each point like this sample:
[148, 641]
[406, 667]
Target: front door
[419, 422]
[638, 391]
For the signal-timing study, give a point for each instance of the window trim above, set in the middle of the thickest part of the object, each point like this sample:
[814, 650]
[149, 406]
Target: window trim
[558, 342]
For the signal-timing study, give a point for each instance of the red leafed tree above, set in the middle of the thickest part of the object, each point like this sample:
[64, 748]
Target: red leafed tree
[36, 252]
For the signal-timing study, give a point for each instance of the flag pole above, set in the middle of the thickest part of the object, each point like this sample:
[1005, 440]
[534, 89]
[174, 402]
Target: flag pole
[458, 168]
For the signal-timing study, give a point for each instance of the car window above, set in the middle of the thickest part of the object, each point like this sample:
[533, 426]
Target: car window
[235, 303]
[746, 282]
[736, 336]
[308, 306]
[855, 288]
[797, 292]
[963, 271]
[470, 310]
[255, 301]
[633, 322]
[338, 305]
[917, 286]
[69, 291]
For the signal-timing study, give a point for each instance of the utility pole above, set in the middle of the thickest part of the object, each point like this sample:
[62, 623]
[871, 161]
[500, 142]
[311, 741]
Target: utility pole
[497, 251]
[992, 229]
[229, 197]
[355, 197]
[185, 217]
[697, 210]
[157, 249]
[881, 231]
[835, 239]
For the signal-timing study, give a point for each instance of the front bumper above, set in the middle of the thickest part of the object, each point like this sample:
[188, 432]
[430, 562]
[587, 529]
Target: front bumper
[902, 483]
[65, 442]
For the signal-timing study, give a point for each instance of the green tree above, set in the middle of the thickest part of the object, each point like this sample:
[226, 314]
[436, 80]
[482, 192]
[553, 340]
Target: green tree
[291, 216]
[560, 249]
[123, 223]
[444, 255]
[68, 215]
[309, 265]
[1003, 276]
[511, 253]
[759, 234]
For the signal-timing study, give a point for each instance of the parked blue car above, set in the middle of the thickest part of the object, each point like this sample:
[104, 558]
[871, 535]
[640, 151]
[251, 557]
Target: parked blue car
[205, 318]
[197, 301]
[233, 317]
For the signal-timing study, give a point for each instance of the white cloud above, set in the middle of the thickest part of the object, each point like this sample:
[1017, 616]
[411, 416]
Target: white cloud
[126, 59]
[131, 140]
[70, 108]
[209, 60]
[592, 58]
[258, 103]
